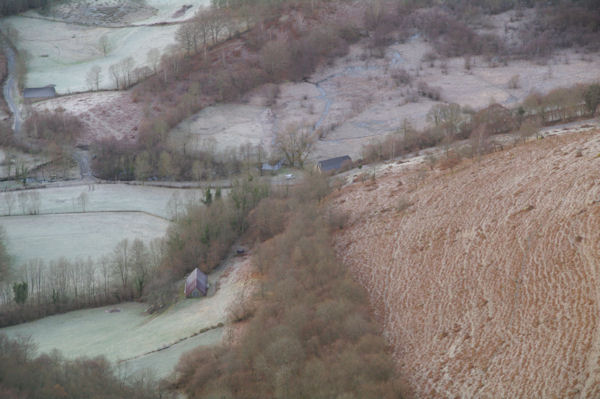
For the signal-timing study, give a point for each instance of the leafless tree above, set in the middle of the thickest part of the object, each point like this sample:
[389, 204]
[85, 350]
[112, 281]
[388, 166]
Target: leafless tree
[121, 263]
[23, 201]
[93, 77]
[295, 143]
[140, 265]
[116, 75]
[35, 202]
[9, 199]
[153, 59]
[83, 201]
[104, 45]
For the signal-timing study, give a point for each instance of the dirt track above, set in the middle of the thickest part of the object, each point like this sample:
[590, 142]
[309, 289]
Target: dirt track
[488, 284]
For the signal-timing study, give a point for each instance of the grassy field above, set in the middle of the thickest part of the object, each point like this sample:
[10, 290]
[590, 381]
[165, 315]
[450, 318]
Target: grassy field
[136, 339]
[76, 235]
[225, 126]
[104, 197]
[61, 51]
[70, 227]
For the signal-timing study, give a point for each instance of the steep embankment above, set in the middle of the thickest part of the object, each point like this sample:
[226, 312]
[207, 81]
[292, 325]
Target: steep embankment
[488, 284]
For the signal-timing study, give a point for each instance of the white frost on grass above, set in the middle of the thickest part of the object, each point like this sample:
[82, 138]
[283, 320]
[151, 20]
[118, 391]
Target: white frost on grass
[78, 235]
[163, 362]
[130, 334]
[106, 197]
[167, 8]
[62, 54]
[225, 126]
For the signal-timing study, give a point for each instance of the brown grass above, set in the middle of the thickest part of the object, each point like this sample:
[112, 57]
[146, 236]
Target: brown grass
[487, 285]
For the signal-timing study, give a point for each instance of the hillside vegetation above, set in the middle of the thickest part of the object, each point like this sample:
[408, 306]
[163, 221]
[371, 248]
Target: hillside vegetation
[485, 276]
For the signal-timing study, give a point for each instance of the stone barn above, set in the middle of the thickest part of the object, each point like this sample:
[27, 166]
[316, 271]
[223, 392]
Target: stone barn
[196, 284]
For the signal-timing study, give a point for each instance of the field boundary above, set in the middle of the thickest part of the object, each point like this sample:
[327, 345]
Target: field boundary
[90, 213]
[202, 331]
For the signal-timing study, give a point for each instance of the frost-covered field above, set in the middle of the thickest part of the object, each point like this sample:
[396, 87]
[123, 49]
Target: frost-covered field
[225, 126]
[76, 235]
[131, 336]
[158, 201]
[81, 221]
[62, 53]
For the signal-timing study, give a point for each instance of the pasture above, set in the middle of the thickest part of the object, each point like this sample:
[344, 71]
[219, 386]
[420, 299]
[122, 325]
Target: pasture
[138, 340]
[86, 221]
[62, 46]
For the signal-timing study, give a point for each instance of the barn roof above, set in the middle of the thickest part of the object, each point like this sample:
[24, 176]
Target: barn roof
[333, 163]
[39, 92]
[268, 167]
[198, 280]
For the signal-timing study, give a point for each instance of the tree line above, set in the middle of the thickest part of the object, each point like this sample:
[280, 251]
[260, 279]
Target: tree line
[11, 7]
[38, 288]
[24, 374]
[449, 123]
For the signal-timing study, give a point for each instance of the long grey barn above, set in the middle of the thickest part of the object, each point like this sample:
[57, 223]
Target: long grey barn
[332, 164]
[39, 92]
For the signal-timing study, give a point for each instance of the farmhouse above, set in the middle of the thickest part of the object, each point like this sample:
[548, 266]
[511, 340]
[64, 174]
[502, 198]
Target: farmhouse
[329, 165]
[34, 93]
[196, 284]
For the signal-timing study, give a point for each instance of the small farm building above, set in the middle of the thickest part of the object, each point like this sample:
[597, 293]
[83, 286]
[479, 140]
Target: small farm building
[332, 164]
[196, 284]
[267, 167]
[32, 93]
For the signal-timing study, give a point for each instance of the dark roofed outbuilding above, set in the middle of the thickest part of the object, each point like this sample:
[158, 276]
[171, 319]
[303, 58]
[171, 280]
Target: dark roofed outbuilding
[39, 92]
[332, 164]
[196, 284]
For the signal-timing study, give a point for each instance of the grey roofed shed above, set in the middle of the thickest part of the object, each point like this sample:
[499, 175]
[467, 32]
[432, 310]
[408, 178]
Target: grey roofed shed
[196, 284]
[39, 92]
[267, 167]
[328, 165]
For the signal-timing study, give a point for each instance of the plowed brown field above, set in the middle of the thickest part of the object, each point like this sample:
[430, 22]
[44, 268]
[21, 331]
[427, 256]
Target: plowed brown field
[488, 285]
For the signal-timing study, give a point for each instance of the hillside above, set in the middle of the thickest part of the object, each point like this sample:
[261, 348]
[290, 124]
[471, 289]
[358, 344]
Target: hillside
[485, 277]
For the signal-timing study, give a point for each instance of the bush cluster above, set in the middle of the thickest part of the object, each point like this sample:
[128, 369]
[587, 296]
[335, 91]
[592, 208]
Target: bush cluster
[312, 335]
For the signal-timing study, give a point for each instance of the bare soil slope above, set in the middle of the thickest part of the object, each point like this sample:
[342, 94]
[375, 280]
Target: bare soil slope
[488, 284]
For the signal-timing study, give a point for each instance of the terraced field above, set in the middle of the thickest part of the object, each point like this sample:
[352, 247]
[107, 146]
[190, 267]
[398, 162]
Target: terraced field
[486, 276]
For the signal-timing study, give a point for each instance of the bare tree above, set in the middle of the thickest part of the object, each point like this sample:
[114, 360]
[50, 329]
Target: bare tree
[295, 143]
[186, 37]
[153, 59]
[448, 118]
[121, 263]
[93, 77]
[104, 45]
[126, 65]
[83, 201]
[35, 202]
[175, 206]
[23, 201]
[116, 75]
[139, 264]
[9, 199]
[216, 22]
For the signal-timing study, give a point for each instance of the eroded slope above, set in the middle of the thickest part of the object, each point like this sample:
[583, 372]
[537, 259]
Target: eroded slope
[487, 285]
